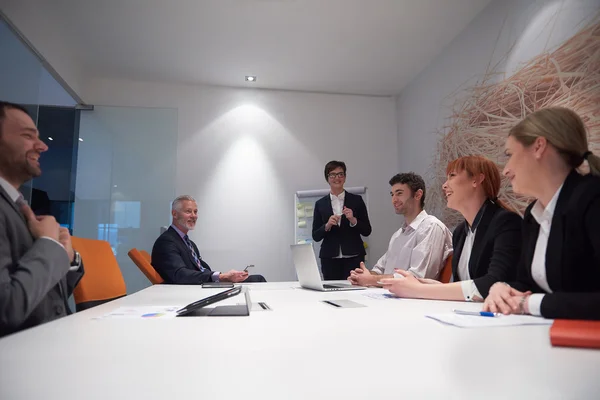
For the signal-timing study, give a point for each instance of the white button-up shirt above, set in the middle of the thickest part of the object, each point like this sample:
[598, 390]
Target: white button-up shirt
[9, 189]
[466, 283]
[337, 204]
[469, 289]
[543, 217]
[419, 248]
[465, 256]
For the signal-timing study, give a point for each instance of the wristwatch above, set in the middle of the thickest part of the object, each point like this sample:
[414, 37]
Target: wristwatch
[522, 304]
[76, 259]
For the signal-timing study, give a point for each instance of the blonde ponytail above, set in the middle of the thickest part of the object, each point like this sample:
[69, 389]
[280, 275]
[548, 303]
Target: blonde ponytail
[564, 129]
[594, 163]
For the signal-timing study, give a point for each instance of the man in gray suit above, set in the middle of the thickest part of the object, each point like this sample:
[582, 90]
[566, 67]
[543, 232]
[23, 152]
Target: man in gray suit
[38, 267]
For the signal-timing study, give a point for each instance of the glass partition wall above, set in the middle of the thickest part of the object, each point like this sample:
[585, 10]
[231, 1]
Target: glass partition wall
[109, 172]
[125, 171]
[25, 81]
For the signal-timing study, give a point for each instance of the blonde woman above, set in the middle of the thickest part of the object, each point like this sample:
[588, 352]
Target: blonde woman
[559, 271]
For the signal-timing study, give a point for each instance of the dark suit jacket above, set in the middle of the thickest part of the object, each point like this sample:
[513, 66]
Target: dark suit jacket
[345, 236]
[174, 261]
[496, 248]
[573, 253]
[35, 281]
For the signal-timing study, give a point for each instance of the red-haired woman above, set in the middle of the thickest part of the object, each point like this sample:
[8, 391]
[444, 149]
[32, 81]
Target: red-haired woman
[487, 245]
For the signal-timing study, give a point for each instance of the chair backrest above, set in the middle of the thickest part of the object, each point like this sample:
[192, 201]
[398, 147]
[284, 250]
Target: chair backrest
[143, 263]
[146, 256]
[102, 281]
[446, 272]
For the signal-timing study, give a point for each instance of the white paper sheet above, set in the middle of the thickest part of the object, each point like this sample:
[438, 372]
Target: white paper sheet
[472, 321]
[380, 296]
[145, 312]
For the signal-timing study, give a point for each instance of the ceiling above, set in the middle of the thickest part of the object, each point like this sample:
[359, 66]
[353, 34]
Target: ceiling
[373, 47]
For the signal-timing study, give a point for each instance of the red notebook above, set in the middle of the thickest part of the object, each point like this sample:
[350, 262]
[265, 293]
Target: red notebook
[575, 333]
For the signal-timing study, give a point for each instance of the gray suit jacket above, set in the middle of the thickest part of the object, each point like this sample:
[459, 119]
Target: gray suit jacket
[35, 281]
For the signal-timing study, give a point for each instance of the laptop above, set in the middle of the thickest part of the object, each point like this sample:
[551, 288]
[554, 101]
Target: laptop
[308, 273]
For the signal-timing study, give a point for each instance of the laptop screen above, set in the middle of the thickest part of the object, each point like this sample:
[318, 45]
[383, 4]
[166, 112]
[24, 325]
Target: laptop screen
[306, 266]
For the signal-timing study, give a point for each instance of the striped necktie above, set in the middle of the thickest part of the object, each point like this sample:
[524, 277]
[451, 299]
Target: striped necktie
[21, 201]
[196, 257]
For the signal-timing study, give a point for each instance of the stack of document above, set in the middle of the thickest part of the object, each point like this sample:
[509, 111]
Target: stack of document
[475, 321]
[142, 312]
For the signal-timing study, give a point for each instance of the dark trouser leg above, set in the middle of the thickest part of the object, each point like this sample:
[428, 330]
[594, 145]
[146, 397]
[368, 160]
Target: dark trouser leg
[350, 264]
[332, 269]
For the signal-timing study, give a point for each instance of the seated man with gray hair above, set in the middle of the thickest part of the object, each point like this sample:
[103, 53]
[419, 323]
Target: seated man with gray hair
[177, 259]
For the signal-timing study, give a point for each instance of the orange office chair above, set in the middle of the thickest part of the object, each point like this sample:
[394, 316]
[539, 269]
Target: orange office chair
[146, 256]
[143, 263]
[102, 281]
[446, 272]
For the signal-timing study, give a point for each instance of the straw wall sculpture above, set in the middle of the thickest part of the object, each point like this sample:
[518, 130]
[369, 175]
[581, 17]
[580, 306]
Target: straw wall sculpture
[568, 76]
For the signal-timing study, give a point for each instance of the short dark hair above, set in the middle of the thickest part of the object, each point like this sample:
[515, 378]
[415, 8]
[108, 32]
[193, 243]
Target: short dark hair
[413, 181]
[5, 105]
[331, 165]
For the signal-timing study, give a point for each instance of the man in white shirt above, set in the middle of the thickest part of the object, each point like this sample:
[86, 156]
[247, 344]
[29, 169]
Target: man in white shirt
[38, 267]
[420, 246]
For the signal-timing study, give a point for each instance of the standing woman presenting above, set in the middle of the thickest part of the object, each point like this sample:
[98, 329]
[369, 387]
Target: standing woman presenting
[339, 220]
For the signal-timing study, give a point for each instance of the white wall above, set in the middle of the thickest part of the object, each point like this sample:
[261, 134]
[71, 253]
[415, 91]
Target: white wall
[505, 34]
[243, 154]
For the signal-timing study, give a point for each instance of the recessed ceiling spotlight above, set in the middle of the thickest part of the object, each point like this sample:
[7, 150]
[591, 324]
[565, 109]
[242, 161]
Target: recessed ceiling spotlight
[80, 139]
[250, 78]
[49, 138]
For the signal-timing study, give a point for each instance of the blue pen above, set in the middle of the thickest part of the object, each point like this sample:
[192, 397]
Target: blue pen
[476, 313]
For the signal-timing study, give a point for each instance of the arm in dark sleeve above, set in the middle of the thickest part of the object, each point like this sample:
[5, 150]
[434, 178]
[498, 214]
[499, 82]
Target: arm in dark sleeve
[318, 229]
[505, 254]
[524, 282]
[579, 305]
[571, 305]
[169, 263]
[24, 285]
[362, 218]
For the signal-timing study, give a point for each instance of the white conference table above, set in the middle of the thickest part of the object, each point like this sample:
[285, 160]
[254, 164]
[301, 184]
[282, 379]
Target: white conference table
[302, 349]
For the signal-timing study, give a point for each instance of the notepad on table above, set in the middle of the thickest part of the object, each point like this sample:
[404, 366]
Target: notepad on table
[575, 333]
[471, 321]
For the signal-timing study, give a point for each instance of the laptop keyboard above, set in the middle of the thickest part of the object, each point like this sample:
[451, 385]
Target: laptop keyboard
[331, 286]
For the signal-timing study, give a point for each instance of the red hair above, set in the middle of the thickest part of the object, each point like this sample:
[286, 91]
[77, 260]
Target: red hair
[477, 165]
